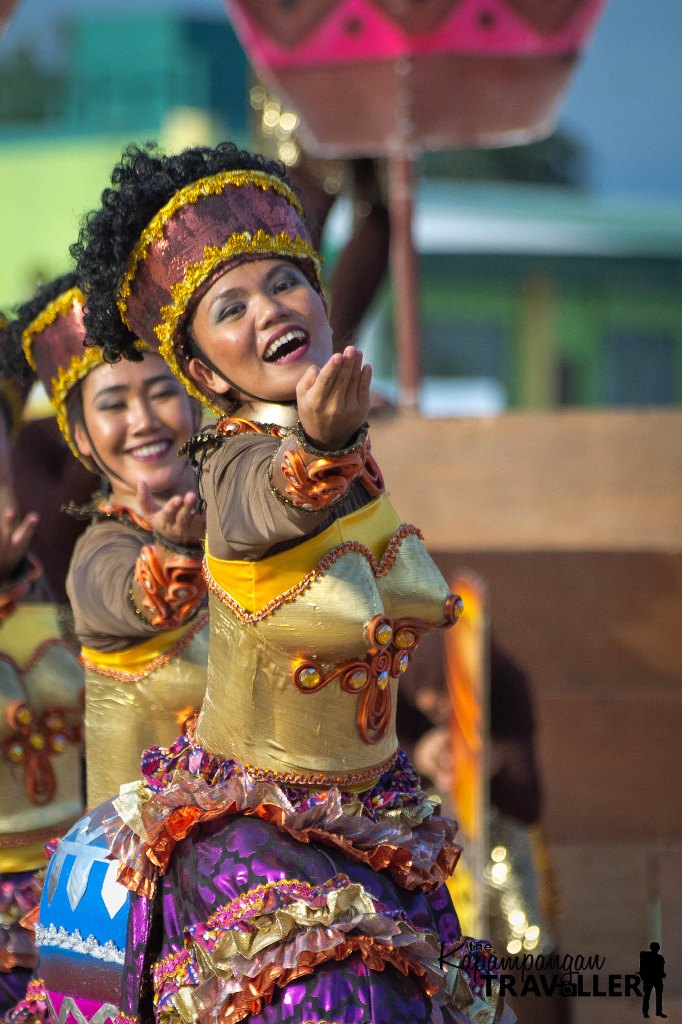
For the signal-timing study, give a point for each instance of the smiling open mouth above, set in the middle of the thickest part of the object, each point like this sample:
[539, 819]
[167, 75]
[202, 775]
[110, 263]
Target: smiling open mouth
[151, 451]
[284, 346]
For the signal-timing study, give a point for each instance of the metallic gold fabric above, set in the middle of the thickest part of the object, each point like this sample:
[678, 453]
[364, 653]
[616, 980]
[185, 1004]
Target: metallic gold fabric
[252, 711]
[124, 718]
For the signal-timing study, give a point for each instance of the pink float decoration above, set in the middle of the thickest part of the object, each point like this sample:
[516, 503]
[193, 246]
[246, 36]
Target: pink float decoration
[387, 76]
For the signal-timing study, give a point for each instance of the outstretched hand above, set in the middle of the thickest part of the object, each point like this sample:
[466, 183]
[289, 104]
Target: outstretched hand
[15, 538]
[333, 402]
[176, 520]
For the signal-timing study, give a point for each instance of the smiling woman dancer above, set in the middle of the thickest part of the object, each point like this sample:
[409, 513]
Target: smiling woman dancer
[284, 863]
[134, 582]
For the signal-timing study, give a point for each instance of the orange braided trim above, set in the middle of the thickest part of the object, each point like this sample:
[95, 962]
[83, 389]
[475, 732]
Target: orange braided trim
[379, 569]
[159, 661]
[259, 991]
[398, 861]
[322, 778]
[172, 586]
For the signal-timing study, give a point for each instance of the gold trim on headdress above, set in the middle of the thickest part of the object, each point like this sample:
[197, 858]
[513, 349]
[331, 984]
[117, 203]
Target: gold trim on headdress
[212, 185]
[58, 307]
[243, 244]
[65, 380]
[79, 365]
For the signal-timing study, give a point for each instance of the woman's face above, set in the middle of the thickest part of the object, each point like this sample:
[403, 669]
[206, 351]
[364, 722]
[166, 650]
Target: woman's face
[262, 324]
[137, 415]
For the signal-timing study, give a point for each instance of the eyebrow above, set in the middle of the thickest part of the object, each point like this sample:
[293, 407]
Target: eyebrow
[233, 292]
[118, 388]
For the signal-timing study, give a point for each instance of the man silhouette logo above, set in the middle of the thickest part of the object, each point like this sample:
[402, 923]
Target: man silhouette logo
[651, 971]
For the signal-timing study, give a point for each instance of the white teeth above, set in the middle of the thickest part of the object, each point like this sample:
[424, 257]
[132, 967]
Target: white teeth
[151, 449]
[274, 346]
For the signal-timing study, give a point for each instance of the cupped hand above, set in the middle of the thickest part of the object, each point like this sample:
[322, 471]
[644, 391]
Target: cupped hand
[175, 520]
[15, 538]
[333, 402]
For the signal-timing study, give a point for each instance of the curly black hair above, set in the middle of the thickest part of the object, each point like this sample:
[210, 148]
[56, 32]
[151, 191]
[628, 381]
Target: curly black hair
[143, 182]
[15, 362]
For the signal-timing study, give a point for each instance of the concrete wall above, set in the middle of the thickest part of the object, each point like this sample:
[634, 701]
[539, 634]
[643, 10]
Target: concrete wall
[575, 521]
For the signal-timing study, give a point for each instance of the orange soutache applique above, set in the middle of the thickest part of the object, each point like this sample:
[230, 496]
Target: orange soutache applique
[37, 738]
[392, 645]
[173, 590]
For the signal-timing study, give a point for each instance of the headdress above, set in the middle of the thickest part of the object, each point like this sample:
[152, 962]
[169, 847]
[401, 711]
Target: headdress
[13, 388]
[206, 228]
[54, 346]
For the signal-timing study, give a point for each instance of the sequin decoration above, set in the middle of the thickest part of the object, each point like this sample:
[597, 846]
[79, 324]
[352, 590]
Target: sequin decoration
[74, 941]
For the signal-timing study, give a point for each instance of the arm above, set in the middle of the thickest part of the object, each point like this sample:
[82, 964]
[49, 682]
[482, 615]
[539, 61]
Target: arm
[112, 607]
[262, 491]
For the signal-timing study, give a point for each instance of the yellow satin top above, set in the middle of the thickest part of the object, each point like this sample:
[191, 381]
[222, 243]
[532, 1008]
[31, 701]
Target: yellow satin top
[41, 688]
[308, 644]
[139, 698]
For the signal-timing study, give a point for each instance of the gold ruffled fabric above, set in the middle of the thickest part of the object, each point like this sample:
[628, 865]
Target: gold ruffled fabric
[148, 825]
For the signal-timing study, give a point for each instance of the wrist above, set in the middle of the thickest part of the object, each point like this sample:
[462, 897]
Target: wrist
[190, 549]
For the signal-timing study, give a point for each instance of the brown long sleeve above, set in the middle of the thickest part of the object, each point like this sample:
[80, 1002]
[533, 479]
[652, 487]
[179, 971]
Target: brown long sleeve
[97, 584]
[244, 519]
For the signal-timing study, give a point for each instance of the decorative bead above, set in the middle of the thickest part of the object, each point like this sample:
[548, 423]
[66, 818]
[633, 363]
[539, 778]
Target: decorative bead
[15, 753]
[54, 721]
[405, 638]
[309, 678]
[382, 679]
[384, 634]
[358, 678]
[403, 662]
[58, 743]
[24, 715]
[37, 741]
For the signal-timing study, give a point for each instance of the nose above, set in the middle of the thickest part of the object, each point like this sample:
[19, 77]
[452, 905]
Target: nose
[143, 418]
[271, 308]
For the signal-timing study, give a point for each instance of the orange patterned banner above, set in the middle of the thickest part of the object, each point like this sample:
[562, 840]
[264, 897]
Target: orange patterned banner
[466, 670]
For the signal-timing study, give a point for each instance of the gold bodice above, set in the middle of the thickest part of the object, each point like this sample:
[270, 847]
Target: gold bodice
[139, 698]
[41, 690]
[307, 647]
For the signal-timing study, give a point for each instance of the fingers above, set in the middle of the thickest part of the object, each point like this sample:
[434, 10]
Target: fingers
[23, 534]
[148, 505]
[306, 382]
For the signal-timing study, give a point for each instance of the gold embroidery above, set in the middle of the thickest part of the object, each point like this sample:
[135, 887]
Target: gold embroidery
[379, 570]
[196, 273]
[58, 307]
[212, 185]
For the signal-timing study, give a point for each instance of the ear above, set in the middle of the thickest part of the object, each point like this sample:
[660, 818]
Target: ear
[82, 443]
[206, 378]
